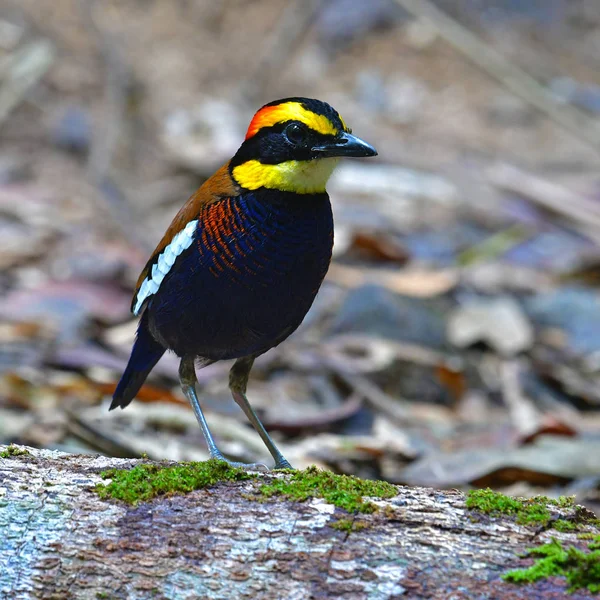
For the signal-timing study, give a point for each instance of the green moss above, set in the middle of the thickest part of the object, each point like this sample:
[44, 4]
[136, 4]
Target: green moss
[564, 525]
[527, 511]
[344, 491]
[488, 501]
[349, 525]
[14, 450]
[564, 501]
[581, 569]
[146, 481]
[253, 497]
[534, 512]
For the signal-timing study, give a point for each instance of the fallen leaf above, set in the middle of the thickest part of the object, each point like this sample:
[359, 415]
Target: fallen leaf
[148, 393]
[379, 246]
[499, 322]
[548, 460]
[410, 282]
[68, 305]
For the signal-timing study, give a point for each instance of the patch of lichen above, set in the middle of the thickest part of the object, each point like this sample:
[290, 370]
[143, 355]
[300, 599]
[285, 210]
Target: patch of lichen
[581, 569]
[344, 491]
[527, 511]
[146, 481]
[14, 450]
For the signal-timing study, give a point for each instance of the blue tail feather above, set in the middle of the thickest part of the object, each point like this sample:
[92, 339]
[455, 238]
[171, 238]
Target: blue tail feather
[145, 354]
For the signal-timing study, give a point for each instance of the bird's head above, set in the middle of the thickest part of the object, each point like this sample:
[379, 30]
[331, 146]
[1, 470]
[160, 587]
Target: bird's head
[293, 145]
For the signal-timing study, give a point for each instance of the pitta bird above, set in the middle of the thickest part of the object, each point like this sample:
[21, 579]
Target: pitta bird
[242, 261]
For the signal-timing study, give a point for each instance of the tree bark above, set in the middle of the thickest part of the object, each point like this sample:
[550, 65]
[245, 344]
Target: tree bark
[58, 540]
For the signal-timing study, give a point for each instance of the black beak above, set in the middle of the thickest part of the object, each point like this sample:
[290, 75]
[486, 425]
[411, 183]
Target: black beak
[345, 144]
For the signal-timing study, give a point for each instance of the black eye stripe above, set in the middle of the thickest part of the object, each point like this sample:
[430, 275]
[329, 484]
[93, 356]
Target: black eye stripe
[271, 145]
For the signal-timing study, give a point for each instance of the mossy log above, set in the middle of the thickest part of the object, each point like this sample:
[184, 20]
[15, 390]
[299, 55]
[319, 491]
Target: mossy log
[60, 540]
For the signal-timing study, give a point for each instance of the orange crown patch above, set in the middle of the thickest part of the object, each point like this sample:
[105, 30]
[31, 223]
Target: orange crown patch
[290, 111]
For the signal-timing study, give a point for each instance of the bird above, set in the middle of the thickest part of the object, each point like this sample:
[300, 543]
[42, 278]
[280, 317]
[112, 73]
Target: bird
[243, 259]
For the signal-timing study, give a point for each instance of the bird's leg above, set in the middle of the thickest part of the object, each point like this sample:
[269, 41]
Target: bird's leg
[238, 380]
[187, 378]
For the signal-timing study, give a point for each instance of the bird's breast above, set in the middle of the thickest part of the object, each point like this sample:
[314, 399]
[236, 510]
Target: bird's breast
[249, 278]
[255, 244]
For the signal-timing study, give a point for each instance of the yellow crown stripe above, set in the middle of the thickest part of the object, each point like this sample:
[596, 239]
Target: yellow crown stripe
[290, 111]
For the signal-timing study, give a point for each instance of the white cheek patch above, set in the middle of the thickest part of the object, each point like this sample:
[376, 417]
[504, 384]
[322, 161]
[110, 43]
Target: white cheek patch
[166, 260]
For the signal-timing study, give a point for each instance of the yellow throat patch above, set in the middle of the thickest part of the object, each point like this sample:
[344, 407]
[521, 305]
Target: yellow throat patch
[299, 176]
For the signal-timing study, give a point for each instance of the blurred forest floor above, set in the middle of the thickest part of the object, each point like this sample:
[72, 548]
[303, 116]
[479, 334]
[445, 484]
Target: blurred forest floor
[456, 340]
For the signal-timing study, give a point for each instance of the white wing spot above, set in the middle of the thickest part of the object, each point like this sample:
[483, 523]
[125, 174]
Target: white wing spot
[166, 260]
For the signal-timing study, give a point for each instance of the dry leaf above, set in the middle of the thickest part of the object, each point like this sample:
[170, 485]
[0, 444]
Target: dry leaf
[409, 282]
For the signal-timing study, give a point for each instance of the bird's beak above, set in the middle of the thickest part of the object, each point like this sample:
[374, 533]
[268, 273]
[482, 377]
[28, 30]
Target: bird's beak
[345, 144]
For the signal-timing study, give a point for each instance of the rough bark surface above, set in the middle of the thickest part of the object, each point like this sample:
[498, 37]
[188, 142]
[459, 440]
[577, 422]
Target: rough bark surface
[59, 540]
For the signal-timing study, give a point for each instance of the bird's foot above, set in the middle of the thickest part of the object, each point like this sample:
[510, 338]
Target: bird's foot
[240, 465]
[283, 464]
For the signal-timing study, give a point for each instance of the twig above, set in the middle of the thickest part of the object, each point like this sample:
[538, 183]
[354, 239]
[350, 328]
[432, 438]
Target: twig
[297, 17]
[368, 353]
[118, 88]
[575, 207]
[323, 419]
[523, 413]
[511, 76]
[116, 84]
[96, 437]
[395, 408]
[21, 71]
[495, 245]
